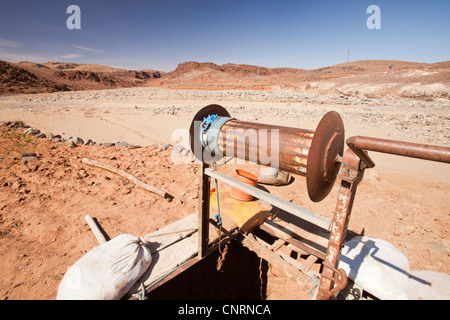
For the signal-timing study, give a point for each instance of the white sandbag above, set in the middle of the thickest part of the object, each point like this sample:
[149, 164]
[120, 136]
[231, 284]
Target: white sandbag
[376, 266]
[428, 285]
[108, 271]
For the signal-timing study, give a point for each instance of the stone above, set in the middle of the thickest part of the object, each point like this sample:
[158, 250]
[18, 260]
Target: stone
[133, 146]
[41, 135]
[28, 157]
[17, 124]
[76, 140]
[5, 123]
[54, 137]
[122, 144]
[107, 144]
[165, 146]
[32, 131]
[91, 143]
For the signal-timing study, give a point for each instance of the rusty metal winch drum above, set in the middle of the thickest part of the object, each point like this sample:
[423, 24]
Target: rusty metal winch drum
[313, 154]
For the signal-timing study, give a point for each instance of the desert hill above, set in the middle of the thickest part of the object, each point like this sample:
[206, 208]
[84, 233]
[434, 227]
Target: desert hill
[368, 78]
[14, 79]
[73, 76]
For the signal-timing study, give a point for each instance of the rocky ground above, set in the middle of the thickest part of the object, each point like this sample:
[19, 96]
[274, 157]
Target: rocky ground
[425, 121]
[45, 189]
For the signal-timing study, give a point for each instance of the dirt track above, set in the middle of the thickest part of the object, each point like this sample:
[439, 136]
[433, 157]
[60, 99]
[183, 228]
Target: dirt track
[43, 202]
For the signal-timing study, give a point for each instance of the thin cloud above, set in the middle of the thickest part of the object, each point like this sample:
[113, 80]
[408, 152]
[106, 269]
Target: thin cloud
[88, 49]
[71, 56]
[23, 57]
[9, 43]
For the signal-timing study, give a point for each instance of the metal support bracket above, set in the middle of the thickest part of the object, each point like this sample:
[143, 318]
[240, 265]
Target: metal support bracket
[203, 211]
[351, 174]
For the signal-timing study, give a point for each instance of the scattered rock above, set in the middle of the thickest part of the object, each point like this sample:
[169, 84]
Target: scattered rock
[75, 140]
[121, 144]
[17, 124]
[89, 142]
[32, 131]
[41, 135]
[165, 146]
[28, 157]
[133, 146]
[54, 137]
[107, 144]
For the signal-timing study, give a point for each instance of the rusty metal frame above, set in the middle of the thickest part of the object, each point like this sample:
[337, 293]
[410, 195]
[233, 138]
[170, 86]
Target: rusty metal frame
[355, 161]
[351, 174]
[203, 211]
[313, 154]
[325, 159]
[361, 144]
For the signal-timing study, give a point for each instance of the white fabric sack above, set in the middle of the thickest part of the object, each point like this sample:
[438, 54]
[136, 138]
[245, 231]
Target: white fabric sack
[108, 271]
[376, 266]
[428, 285]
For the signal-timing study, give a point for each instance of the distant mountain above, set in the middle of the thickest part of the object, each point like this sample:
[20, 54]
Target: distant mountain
[30, 77]
[14, 79]
[368, 78]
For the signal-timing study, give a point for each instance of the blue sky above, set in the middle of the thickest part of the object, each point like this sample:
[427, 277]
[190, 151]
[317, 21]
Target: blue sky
[160, 34]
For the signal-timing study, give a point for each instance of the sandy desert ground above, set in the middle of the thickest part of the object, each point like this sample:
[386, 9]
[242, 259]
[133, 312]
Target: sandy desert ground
[43, 202]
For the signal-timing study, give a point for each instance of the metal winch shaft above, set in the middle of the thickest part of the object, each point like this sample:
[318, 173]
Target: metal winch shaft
[287, 147]
[313, 154]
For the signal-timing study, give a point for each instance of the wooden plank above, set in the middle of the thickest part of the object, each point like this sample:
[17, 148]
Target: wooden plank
[95, 229]
[309, 262]
[172, 275]
[172, 233]
[261, 248]
[277, 245]
[298, 211]
[286, 255]
[300, 245]
[297, 249]
[311, 234]
[287, 235]
[171, 247]
[165, 262]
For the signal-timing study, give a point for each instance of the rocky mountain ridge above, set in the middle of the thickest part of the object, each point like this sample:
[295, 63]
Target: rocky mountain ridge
[368, 78]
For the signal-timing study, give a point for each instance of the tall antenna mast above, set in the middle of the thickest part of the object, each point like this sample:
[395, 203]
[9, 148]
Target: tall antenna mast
[348, 53]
